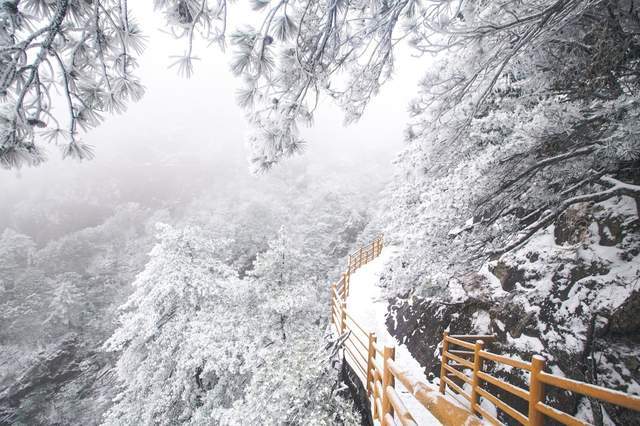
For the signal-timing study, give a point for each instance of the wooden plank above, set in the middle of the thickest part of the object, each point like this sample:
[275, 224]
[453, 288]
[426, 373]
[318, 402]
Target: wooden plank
[518, 416]
[355, 367]
[354, 337]
[460, 361]
[378, 387]
[336, 320]
[506, 360]
[336, 294]
[458, 342]
[458, 374]
[487, 338]
[442, 408]
[515, 390]
[399, 408]
[376, 371]
[388, 420]
[360, 328]
[357, 362]
[460, 353]
[593, 391]
[456, 388]
[355, 351]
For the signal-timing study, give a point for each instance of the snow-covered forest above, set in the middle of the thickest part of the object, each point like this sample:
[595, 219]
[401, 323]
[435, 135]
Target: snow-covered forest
[182, 180]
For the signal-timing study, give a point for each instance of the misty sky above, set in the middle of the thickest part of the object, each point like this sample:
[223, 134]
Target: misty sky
[197, 121]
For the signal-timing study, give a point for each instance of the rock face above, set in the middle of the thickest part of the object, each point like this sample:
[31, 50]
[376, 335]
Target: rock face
[52, 371]
[572, 295]
[67, 383]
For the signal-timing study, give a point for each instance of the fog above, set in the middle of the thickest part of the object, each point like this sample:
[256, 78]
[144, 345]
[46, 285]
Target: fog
[75, 236]
[186, 136]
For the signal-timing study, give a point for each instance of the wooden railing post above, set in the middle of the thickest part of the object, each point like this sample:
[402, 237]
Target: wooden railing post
[443, 371]
[389, 353]
[536, 391]
[334, 290]
[349, 267]
[475, 381]
[343, 319]
[360, 257]
[371, 356]
[345, 280]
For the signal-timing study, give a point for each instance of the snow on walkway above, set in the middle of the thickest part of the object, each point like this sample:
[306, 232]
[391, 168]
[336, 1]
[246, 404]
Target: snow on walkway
[368, 306]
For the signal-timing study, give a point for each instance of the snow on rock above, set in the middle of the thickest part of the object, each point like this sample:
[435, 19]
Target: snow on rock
[367, 304]
[570, 294]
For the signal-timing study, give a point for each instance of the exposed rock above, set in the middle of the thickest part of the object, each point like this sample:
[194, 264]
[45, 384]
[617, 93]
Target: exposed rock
[52, 371]
[507, 275]
[625, 320]
[357, 393]
[572, 225]
[575, 302]
[610, 232]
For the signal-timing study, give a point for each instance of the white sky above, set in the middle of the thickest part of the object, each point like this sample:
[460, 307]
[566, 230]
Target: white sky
[197, 120]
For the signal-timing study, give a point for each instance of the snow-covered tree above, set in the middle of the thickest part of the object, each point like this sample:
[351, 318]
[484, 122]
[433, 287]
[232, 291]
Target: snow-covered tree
[287, 291]
[16, 250]
[294, 379]
[486, 54]
[66, 305]
[173, 360]
[526, 110]
[87, 49]
[199, 345]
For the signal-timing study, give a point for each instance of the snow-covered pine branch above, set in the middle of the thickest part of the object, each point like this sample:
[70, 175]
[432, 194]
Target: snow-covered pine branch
[86, 49]
[617, 188]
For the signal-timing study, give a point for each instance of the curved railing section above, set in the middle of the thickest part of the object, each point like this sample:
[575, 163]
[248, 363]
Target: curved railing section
[462, 362]
[375, 364]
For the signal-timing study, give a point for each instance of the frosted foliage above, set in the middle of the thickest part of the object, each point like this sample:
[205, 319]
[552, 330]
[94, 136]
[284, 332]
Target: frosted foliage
[198, 345]
[527, 109]
[66, 303]
[86, 51]
[169, 330]
[479, 58]
[16, 250]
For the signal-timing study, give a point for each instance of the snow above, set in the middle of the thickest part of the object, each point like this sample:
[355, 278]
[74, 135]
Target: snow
[368, 306]
[481, 322]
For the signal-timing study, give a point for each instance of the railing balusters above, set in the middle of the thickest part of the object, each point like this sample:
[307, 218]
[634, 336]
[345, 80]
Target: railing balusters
[389, 353]
[370, 361]
[475, 381]
[536, 391]
[443, 370]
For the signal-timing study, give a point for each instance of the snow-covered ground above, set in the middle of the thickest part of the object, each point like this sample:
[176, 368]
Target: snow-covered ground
[368, 306]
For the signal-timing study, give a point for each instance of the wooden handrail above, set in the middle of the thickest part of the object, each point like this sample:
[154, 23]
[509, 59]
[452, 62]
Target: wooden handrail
[458, 342]
[608, 395]
[515, 390]
[388, 407]
[537, 409]
[380, 379]
[512, 362]
[399, 408]
[487, 338]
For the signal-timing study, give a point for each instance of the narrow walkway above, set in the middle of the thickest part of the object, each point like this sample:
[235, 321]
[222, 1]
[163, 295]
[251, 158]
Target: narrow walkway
[368, 306]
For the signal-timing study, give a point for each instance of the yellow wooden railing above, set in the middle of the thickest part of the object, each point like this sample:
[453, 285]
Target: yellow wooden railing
[464, 365]
[375, 365]
[461, 368]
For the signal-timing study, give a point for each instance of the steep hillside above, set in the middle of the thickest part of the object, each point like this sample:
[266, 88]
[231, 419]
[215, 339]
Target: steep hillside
[571, 294]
